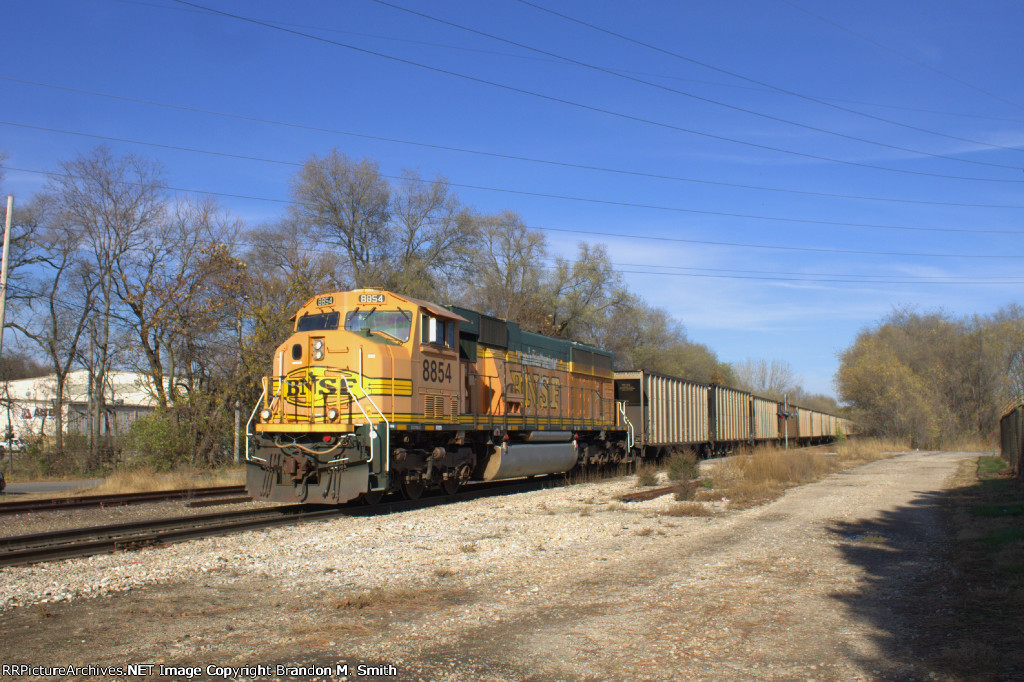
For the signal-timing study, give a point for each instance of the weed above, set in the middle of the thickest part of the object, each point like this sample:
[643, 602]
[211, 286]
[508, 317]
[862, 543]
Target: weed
[586, 512]
[646, 476]
[614, 506]
[707, 483]
[991, 466]
[682, 466]
[406, 598]
[643, 532]
[687, 509]
[685, 492]
[444, 572]
[468, 547]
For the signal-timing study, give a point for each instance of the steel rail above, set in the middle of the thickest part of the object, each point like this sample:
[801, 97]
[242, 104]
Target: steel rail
[33, 548]
[115, 500]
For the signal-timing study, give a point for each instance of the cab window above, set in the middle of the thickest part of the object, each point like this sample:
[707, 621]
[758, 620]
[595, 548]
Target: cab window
[395, 323]
[437, 332]
[318, 322]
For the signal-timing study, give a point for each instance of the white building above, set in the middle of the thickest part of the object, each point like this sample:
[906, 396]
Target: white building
[30, 405]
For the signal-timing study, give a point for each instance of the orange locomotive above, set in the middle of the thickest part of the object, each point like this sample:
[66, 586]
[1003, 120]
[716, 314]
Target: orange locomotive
[377, 392]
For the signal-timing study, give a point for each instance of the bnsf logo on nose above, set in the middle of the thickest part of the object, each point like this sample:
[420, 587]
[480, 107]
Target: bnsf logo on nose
[322, 386]
[309, 387]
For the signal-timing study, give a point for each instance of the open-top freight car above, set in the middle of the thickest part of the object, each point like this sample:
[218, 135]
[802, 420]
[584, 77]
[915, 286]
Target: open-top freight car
[669, 414]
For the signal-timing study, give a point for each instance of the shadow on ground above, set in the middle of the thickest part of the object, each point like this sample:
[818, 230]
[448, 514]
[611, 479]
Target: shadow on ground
[946, 606]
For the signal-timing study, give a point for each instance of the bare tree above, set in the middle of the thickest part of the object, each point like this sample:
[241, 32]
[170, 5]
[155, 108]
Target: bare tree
[507, 269]
[163, 285]
[406, 238]
[113, 203]
[57, 300]
[773, 378]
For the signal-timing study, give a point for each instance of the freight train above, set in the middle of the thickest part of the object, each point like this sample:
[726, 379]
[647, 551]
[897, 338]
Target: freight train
[376, 392]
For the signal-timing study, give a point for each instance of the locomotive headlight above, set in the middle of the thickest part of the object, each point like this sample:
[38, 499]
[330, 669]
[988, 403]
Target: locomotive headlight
[318, 344]
[332, 414]
[265, 415]
[318, 354]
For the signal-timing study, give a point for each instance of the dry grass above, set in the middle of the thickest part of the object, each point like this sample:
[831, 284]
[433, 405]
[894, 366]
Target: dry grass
[646, 476]
[147, 480]
[970, 444]
[406, 598]
[687, 509]
[761, 476]
[856, 451]
[643, 532]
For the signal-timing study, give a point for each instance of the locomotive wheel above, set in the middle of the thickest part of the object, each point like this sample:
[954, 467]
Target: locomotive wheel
[450, 486]
[412, 490]
[371, 497]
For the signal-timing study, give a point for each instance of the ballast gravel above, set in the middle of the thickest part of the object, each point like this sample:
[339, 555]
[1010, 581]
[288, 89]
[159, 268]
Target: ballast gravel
[565, 583]
[404, 548]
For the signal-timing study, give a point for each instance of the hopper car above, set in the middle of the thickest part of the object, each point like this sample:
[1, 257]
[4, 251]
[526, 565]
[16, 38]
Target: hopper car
[376, 392]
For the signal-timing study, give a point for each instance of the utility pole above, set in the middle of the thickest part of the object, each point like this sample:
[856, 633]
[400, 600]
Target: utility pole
[238, 404]
[89, 410]
[3, 269]
[3, 307]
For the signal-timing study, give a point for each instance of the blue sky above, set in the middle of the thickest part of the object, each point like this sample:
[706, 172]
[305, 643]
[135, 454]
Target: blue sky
[883, 115]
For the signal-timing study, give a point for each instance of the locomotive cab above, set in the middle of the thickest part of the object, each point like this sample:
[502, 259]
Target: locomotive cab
[357, 366]
[377, 392]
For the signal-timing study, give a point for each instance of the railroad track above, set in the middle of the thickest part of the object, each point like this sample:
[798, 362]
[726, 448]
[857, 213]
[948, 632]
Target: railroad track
[117, 500]
[34, 548]
[79, 542]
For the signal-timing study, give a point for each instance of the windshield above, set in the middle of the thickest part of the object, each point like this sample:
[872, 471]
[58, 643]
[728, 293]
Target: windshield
[396, 323]
[318, 322]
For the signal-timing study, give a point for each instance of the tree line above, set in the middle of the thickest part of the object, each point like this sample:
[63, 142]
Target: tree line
[110, 269]
[933, 378]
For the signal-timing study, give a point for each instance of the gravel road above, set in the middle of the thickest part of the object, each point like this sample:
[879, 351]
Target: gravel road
[558, 584]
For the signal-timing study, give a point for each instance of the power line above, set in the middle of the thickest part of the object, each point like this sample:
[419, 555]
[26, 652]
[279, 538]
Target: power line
[873, 278]
[901, 55]
[782, 248]
[462, 48]
[543, 195]
[758, 82]
[496, 155]
[585, 107]
[627, 236]
[707, 100]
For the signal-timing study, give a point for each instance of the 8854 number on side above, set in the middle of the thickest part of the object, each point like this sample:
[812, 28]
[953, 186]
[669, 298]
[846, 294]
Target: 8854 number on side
[437, 371]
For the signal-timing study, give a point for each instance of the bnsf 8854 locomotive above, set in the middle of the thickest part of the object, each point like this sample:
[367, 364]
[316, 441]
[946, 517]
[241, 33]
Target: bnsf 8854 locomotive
[377, 392]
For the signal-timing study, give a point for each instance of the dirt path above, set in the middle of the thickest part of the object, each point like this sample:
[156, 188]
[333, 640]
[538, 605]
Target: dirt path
[825, 583]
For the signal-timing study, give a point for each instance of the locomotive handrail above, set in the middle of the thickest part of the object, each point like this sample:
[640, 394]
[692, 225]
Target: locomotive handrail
[248, 425]
[366, 416]
[387, 430]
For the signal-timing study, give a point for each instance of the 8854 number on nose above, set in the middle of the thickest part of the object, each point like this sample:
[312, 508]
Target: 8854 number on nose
[434, 370]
